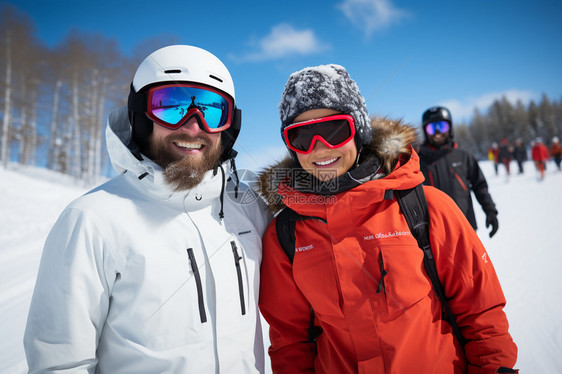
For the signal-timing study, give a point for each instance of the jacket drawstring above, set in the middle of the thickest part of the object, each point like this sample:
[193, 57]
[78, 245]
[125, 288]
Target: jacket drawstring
[223, 174]
[221, 213]
[357, 158]
[237, 184]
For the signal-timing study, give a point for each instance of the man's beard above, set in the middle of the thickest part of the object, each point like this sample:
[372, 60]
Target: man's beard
[184, 173]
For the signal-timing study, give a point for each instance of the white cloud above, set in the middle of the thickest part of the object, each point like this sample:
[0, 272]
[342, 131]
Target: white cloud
[462, 110]
[372, 15]
[283, 41]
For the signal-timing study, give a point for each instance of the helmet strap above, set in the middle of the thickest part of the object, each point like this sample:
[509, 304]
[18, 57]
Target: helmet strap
[137, 102]
[141, 125]
[228, 137]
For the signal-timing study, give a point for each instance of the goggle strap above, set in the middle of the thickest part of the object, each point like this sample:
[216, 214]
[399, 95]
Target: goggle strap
[138, 102]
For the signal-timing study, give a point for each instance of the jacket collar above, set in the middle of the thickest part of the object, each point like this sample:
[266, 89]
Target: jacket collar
[388, 162]
[150, 175]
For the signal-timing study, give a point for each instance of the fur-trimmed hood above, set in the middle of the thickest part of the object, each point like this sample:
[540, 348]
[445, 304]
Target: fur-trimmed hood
[391, 142]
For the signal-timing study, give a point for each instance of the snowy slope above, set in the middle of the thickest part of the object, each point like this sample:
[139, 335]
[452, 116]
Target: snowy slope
[526, 253]
[30, 202]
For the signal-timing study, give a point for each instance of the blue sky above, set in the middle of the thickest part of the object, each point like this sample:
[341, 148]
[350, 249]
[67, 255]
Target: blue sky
[404, 55]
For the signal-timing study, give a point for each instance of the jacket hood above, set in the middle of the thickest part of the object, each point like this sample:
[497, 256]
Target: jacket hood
[389, 157]
[432, 153]
[118, 136]
[151, 176]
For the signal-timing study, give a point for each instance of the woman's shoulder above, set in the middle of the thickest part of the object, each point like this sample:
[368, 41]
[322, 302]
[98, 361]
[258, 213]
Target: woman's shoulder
[438, 202]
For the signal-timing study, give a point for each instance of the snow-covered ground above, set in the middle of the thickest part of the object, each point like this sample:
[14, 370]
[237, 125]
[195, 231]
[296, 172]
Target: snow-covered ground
[526, 252]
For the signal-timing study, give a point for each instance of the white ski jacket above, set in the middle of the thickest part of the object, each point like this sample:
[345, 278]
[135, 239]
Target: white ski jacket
[137, 278]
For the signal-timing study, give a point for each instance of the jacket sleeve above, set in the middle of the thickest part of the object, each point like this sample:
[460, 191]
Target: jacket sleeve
[70, 300]
[285, 309]
[472, 286]
[479, 186]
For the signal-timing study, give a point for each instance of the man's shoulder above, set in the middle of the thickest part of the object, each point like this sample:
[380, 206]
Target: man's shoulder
[436, 196]
[244, 199]
[105, 195]
[425, 151]
[439, 203]
[462, 154]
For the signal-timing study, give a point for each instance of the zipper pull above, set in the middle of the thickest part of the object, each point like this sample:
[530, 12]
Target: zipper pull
[199, 285]
[237, 259]
[383, 274]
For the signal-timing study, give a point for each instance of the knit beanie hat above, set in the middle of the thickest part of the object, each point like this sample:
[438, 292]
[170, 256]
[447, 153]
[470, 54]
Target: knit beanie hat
[325, 87]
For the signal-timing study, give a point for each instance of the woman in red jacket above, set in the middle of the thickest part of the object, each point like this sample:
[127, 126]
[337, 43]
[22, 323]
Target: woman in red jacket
[356, 264]
[539, 154]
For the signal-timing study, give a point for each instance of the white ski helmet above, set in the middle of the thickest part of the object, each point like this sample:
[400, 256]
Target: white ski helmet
[180, 63]
[183, 63]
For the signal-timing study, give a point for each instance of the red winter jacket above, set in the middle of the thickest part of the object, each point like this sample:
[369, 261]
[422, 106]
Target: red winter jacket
[556, 150]
[372, 323]
[539, 152]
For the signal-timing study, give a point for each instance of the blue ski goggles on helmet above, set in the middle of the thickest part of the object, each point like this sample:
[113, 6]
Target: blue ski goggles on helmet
[441, 126]
[171, 105]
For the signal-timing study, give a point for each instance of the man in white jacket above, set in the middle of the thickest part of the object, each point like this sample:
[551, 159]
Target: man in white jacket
[157, 271]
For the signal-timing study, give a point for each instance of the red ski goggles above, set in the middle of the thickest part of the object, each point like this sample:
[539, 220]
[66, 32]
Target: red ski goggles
[334, 131]
[171, 105]
[441, 126]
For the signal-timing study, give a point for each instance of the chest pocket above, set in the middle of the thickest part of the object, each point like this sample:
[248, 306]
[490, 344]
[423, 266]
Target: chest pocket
[403, 278]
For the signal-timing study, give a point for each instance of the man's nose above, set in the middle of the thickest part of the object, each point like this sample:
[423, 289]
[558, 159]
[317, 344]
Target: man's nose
[191, 127]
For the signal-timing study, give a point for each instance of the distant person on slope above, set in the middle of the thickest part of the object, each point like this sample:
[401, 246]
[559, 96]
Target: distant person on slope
[556, 151]
[493, 155]
[452, 170]
[505, 155]
[154, 271]
[520, 154]
[539, 154]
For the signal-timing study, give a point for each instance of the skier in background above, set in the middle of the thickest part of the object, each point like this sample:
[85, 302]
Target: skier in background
[519, 154]
[539, 154]
[493, 154]
[505, 155]
[556, 151]
[453, 170]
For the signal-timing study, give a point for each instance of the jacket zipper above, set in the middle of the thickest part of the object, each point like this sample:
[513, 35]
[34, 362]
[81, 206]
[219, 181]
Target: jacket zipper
[197, 276]
[459, 179]
[383, 274]
[431, 181]
[237, 259]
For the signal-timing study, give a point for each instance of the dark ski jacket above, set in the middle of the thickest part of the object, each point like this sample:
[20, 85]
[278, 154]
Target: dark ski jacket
[456, 172]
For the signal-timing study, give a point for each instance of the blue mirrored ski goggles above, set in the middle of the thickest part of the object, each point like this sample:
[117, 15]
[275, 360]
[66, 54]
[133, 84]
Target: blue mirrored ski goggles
[171, 105]
[441, 126]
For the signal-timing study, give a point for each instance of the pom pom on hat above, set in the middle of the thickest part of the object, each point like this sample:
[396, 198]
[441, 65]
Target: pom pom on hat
[325, 87]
